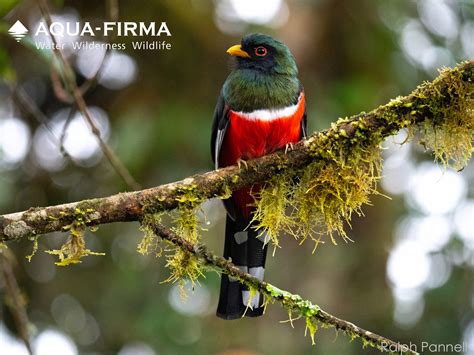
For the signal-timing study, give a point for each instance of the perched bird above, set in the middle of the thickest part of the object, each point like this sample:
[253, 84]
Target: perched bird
[261, 108]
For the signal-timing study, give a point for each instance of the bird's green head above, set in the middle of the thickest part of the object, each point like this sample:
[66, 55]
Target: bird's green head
[264, 54]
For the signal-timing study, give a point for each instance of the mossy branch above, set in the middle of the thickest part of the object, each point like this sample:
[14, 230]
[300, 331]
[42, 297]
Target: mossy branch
[438, 110]
[294, 304]
[327, 177]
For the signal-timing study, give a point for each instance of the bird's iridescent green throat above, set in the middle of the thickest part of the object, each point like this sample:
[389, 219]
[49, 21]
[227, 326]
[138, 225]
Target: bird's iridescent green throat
[265, 76]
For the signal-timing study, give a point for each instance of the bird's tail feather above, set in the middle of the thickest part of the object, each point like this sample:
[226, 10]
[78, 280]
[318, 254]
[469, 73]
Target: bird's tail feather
[248, 253]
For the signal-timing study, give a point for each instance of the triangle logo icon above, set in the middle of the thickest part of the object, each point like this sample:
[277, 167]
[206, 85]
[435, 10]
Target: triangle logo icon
[18, 31]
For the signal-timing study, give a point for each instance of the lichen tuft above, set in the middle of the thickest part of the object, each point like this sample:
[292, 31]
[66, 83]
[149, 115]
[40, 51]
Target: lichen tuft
[331, 191]
[183, 265]
[74, 249]
[450, 133]
[311, 327]
[321, 198]
[34, 239]
[270, 215]
[150, 242]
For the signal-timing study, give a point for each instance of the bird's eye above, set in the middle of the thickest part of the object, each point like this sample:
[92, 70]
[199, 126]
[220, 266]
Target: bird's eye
[260, 51]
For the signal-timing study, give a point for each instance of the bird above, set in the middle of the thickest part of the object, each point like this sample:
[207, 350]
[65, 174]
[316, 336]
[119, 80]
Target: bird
[261, 108]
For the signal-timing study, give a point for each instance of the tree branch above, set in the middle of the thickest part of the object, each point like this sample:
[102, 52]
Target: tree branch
[291, 302]
[422, 105]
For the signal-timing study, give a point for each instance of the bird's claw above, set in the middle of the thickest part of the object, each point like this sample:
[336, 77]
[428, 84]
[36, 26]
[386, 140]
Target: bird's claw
[240, 162]
[288, 147]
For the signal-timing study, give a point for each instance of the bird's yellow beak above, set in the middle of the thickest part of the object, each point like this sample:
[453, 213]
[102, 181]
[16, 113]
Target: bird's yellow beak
[238, 51]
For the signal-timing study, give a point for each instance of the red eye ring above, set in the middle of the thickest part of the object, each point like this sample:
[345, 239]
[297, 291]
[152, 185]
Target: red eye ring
[260, 51]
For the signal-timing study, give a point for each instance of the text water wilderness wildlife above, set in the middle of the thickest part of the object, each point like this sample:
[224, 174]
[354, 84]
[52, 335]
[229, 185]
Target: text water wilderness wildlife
[87, 35]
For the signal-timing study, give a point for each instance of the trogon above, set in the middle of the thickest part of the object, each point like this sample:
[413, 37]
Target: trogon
[261, 108]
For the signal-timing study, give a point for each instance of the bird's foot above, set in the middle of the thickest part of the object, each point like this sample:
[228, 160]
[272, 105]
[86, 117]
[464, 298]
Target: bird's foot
[241, 162]
[288, 147]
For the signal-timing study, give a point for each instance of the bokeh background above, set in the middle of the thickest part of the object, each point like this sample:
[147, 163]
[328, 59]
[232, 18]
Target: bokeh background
[409, 274]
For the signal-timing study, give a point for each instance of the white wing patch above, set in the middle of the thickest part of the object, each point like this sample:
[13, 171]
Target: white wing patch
[219, 139]
[270, 115]
[253, 303]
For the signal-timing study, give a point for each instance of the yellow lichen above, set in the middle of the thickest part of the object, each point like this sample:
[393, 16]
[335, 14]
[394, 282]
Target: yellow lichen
[35, 247]
[331, 191]
[74, 249]
[311, 327]
[321, 199]
[270, 213]
[451, 144]
[147, 242]
[290, 318]
[253, 292]
[183, 265]
[450, 133]
[150, 242]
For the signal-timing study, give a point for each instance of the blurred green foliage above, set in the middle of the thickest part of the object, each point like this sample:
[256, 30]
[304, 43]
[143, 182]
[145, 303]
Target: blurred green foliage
[7, 5]
[349, 61]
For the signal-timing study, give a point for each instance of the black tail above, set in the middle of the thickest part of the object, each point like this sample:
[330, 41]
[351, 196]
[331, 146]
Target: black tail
[248, 253]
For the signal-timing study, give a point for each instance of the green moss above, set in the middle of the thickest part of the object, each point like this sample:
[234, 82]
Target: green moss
[294, 303]
[322, 197]
[150, 242]
[450, 133]
[270, 212]
[451, 144]
[183, 265]
[331, 191]
[74, 249]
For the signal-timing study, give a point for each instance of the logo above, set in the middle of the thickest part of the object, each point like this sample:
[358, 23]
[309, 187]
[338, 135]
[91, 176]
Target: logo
[120, 29]
[18, 31]
[82, 35]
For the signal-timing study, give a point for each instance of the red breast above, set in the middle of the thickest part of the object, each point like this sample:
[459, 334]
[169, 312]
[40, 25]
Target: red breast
[254, 134]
